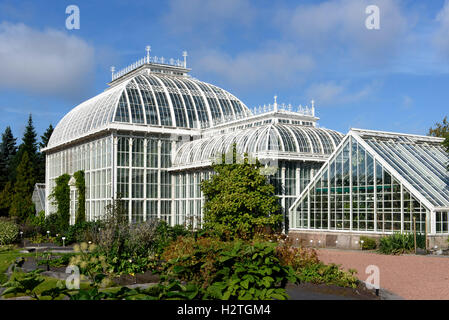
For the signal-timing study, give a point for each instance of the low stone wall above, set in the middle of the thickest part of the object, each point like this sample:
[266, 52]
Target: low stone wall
[437, 242]
[348, 240]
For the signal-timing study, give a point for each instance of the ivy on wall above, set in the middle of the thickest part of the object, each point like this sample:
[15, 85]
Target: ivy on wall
[61, 199]
[80, 184]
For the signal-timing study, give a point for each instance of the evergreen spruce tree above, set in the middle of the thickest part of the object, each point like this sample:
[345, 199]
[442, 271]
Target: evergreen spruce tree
[8, 150]
[6, 199]
[22, 206]
[41, 156]
[30, 140]
[46, 137]
[30, 145]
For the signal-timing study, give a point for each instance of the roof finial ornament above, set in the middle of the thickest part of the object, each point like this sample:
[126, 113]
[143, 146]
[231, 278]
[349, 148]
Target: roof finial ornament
[275, 104]
[184, 54]
[148, 49]
[112, 71]
[313, 107]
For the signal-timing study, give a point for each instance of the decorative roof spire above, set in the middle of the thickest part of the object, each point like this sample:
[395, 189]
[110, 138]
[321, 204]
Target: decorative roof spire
[112, 71]
[184, 54]
[275, 104]
[148, 49]
[313, 107]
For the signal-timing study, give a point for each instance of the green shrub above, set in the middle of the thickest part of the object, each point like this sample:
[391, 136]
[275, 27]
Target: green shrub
[60, 261]
[9, 231]
[239, 200]
[308, 268]
[79, 232]
[319, 273]
[368, 243]
[399, 243]
[229, 270]
[131, 248]
[297, 258]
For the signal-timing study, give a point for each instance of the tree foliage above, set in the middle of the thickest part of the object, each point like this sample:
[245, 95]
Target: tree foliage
[22, 205]
[6, 199]
[239, 200]
[41, 156]
[8, 150]
[29, 145]
[45, 138]
[441, 130]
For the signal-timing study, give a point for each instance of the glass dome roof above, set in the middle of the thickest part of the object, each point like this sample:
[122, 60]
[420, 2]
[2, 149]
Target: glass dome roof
[279, 139]
[151, 99]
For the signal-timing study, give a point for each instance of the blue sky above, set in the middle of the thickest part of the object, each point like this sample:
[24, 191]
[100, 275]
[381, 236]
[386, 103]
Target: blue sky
[393, 79]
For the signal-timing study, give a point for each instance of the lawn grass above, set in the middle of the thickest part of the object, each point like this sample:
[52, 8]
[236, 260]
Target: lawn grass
[6, 258]
[48, 283]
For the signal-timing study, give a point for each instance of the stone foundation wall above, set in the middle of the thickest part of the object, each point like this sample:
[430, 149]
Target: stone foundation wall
[348, 240]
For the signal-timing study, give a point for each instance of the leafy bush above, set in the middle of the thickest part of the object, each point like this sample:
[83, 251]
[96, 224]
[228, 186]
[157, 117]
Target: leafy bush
[297, 258]
[53, 224]
[79, 232]
[309, 268]
[239, 200]
[33, 225]
[28, 284]
[132, 248]
[9, 231]
[319, 273]
[229, 270]
[24, 283]
[91, 263]
[60, 261]
[368, 243]
[399, 243]
[39, 238]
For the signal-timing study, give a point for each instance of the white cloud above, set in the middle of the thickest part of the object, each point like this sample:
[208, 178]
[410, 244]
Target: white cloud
[332, 93]
[46, 62]
[339, 27]
[441, 36]
[277, 66]
[206, 16]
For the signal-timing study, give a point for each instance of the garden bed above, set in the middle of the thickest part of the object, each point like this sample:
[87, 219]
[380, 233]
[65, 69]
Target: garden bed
[310, 291]
[139, 278]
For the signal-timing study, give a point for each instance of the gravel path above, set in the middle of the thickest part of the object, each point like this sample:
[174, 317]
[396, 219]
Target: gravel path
[409, 276]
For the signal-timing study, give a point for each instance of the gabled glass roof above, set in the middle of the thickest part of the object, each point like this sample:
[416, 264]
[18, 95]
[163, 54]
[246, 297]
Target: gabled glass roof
[421, 161]
[281, 139]
[417, 162]
[152, 99]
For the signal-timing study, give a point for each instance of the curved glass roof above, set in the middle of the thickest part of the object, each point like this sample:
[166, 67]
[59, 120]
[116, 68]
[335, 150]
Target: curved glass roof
[273, 138]
[152, 99]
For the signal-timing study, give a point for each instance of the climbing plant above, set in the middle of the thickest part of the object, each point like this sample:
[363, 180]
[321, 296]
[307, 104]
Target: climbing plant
[80, 184]
[61, 199]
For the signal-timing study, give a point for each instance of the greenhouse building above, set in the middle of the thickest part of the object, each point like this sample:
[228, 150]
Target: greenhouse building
[376, 183]
[152, 136]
